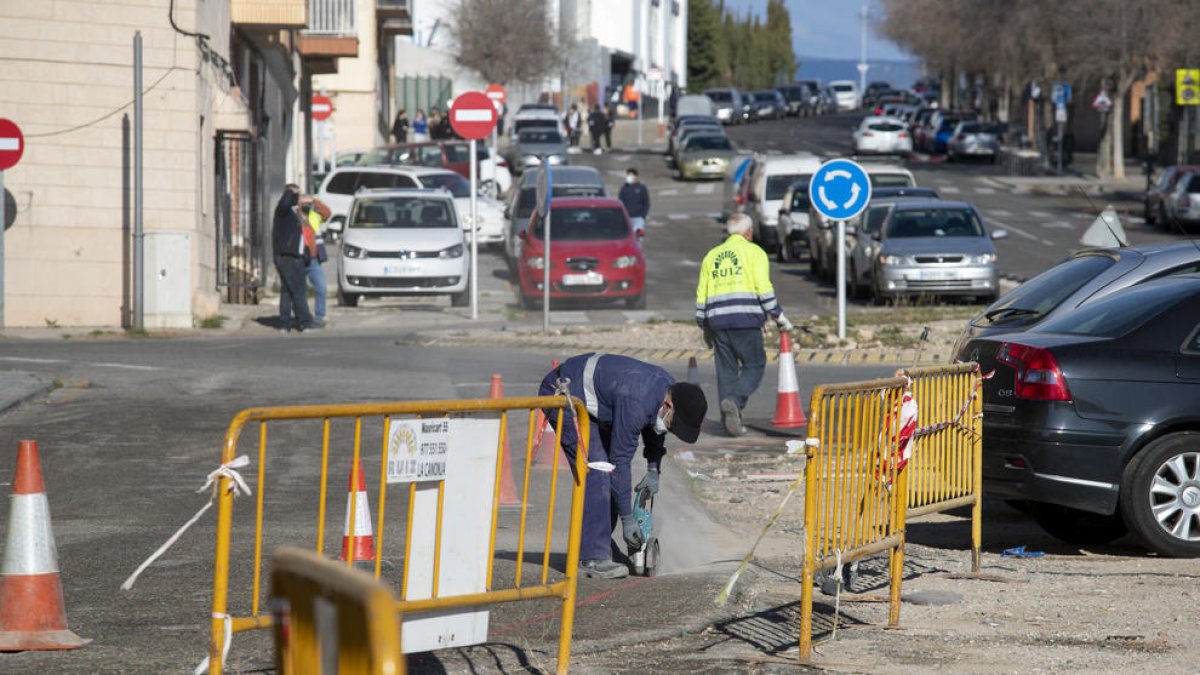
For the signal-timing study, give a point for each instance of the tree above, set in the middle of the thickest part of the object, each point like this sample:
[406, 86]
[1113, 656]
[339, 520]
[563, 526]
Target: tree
[781, 58]
[704, 44]
[505, 41]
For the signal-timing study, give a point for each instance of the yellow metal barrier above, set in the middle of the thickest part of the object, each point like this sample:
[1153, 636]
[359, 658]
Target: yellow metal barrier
[946, 472]
[254, 618]
[312, 592]
[854, 492]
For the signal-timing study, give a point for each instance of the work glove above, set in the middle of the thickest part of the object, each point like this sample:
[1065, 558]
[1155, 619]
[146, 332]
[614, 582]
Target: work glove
[633, 533]
[784, 324]
[650, 480]
[709, 339]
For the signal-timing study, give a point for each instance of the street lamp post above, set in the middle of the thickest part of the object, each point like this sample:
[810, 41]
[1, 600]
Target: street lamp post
[862, 53]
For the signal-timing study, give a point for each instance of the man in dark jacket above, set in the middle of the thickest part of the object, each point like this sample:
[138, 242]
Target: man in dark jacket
[636, 199]
[629, 402]
[597, 125]
[287, 242]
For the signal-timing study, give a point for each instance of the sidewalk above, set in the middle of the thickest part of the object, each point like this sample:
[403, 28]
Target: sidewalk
[1079, 175]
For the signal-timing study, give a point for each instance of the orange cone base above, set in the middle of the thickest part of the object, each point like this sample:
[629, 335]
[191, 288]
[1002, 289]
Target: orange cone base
[788, 413]
[40, 641]
[364, 549]
[32, 616]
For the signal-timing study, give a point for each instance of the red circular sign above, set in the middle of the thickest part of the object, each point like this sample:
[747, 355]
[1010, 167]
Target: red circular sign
[473, 115]
[496, 93]
[322, 108]
[12, 144]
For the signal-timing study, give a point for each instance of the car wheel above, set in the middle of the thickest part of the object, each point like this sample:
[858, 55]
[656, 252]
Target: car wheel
[1160, 495]
[1074, 526]
[460, 299]
[636, 302]
[1148, 213]
[345, 299]
[528, 301]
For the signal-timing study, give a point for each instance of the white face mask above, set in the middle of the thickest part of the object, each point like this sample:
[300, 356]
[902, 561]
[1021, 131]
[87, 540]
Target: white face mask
[629, 179]
[660, 423]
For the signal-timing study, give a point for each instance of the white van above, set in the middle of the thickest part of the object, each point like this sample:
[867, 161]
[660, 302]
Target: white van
[773, 175]
[845, 94]
[695, 104]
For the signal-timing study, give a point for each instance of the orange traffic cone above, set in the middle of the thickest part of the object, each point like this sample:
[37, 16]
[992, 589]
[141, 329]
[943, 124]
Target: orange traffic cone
[693, 371]
[544, 448]
[787, 405]
[508, 490]
[32, 612]
[362, 545]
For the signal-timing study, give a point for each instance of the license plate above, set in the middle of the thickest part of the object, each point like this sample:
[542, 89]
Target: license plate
[935, 275]
[589, 279]
[401, 270]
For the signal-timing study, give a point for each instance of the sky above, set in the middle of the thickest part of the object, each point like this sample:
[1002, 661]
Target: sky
[828, 29]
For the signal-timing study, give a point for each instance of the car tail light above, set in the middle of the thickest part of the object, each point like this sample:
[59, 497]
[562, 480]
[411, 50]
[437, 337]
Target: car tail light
[737, 199]
[902, 135]
[1039, 377]
[502, 162]
[879, 111]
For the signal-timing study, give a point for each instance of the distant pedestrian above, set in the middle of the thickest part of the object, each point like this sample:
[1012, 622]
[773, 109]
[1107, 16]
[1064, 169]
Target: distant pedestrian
[315, 213]
[420, 127]
[500, 115]
[597, 124]
[610, 120]
[733, 299]
[636, 199]
[290, 251]
[435, 124]
[400, 127]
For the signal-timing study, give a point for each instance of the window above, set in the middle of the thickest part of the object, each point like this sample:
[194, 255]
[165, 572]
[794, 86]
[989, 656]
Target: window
[402, 213]
[708, 143]
[971, 129]
[1194, 184]
[585, 223]
[843, 88]
[429, 155]
[890, 180]
[342, 183]
[1040, 295]
[800, 198]
[528, 198]
[541, 136]
[886, 126]
[720, 96]
[1187, 268]
[377, 181]
[777, 185]
[456, 184]
[1118, 314]
[875, 217]
[458, 153]
[935, 222]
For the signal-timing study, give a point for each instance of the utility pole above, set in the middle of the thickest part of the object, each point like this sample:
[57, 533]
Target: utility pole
[862, 53]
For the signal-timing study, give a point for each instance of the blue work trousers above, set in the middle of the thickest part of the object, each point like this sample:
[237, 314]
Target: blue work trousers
[316, 277]
[740, 359]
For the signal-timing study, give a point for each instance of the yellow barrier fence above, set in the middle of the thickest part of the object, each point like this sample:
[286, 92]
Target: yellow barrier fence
[332, 619]
[247, 597]
[946, 472]
[854, 486]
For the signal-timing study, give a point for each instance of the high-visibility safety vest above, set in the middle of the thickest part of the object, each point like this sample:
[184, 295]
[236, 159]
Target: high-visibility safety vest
[735, 289]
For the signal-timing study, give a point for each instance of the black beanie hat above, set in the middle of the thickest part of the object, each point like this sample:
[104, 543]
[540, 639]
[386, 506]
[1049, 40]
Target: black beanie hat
[690, 408]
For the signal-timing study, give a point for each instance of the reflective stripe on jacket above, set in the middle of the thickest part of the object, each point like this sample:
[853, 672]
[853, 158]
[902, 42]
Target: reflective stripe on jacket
[735, 289]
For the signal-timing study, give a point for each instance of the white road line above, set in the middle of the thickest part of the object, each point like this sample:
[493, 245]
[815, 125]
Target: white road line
[1047, 242]
[950, 190]
[1136, 219]
[641, 315]
[19, 359]
[1059, 225]
[668, 193]
[687, 263]
[1028, 235]
[125, 366]
[706, 188]
[999, 212]
[985, 191]
[655, 223]
[621, 158]
[1040, 214]
[677, 216]
[713, 215]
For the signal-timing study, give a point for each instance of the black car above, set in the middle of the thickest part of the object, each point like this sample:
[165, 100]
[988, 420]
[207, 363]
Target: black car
[1092, 419]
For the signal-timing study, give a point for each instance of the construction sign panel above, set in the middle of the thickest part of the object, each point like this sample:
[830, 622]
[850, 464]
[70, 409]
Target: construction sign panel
[1187, 86]
[417, 450]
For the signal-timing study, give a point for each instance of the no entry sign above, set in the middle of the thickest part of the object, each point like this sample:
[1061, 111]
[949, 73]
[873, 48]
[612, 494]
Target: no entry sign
[496, 93]
[472, 115]
[12, 144]
[322, 108]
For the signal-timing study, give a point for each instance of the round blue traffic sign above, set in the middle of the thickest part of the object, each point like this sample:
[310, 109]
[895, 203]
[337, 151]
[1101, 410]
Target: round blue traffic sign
[840, 189]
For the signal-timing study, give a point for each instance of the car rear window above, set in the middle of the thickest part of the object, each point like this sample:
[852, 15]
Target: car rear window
[540, 136]
[886, 126]
[800, 198]
[342, 183]
[1120, 313]
[843, 88]
[528, 198]
[778, 184]
[458, 153]
[402, 213]
[709, 143]
[974, 129]
[1037, 297]
[890, 180]
[875, 217]
[720, 96]
[585, 223]
[456, 184]
[938, 222]
[521, 125]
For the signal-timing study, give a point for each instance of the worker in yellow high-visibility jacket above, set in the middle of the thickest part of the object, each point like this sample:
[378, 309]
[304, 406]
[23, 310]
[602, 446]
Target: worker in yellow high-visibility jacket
[734, 297]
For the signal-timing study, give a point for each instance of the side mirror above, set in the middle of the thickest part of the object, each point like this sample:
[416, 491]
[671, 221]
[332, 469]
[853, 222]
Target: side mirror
[640, 233]
[999, 234]
[336, 223]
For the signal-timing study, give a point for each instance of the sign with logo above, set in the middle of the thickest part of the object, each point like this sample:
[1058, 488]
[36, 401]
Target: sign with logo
[322, 108]
[1102, 102]
[12, 144]
[417, 450]
[1187, 86]
[473, 115]
[1061, 93]
[840, 189]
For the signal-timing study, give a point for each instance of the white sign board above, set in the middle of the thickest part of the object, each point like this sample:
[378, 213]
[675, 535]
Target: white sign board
[470, 476]
[417, 450]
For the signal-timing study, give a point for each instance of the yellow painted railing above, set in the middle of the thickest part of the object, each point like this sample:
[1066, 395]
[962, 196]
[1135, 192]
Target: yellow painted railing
[327, 614]
[249, 614]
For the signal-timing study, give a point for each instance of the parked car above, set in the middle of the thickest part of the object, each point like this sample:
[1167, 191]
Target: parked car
[772, 177]
[935, 248]
[536, 116]
[687, 132]
[769, 105]
[873, 91]
[595, 254]
[402, 243]
[1082, 277]
[453, 155]
[882, 135]
[814, 92]
[695, 104]
[704, 156]
[860, 246]
[1091, 418]
[691, 122]
[1182, 205]
[845, 94]
[1153, 208]
[737, 180]
[530, 147]
[566, 181]
[798, 99]
[943, 125]
[826, 102]
[793, 222]
[728, 102]
[749, 109]
[973, 139]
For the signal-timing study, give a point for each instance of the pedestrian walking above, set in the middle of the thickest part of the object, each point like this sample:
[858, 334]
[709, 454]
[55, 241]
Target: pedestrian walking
[435, 124]
[574, 125]
[610, 120]
[627, 401]
[400, 127]
[420, 127]
[636, 199]
[596, 126]
[290, 251]
[734, 297]
[315, 213]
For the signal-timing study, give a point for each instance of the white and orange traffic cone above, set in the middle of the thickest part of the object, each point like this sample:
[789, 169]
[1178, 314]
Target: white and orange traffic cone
[693, 376]
[787, 405]
[508, 489]
[32, 612]
[360, 547]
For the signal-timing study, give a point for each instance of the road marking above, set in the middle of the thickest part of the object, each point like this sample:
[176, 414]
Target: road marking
[125, 366]
[641, 315]
[19, 359]
[1135, 219]
[950, 190]
[655, 223]
[713, 215]
[1040, 214]
[687, 263]
[677, 216]
[705, 188]
[569, 317]
[999, 212]
[1028, 235]
[1059, 225]
[668, 193]
[1047, 242]
[621, 158]
[985, 191]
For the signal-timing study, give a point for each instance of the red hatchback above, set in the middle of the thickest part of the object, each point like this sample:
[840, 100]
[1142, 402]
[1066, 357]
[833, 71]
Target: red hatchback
[594, 252]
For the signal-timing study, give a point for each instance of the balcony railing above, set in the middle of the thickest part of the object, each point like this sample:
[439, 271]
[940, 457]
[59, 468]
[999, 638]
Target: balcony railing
[331, 17]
